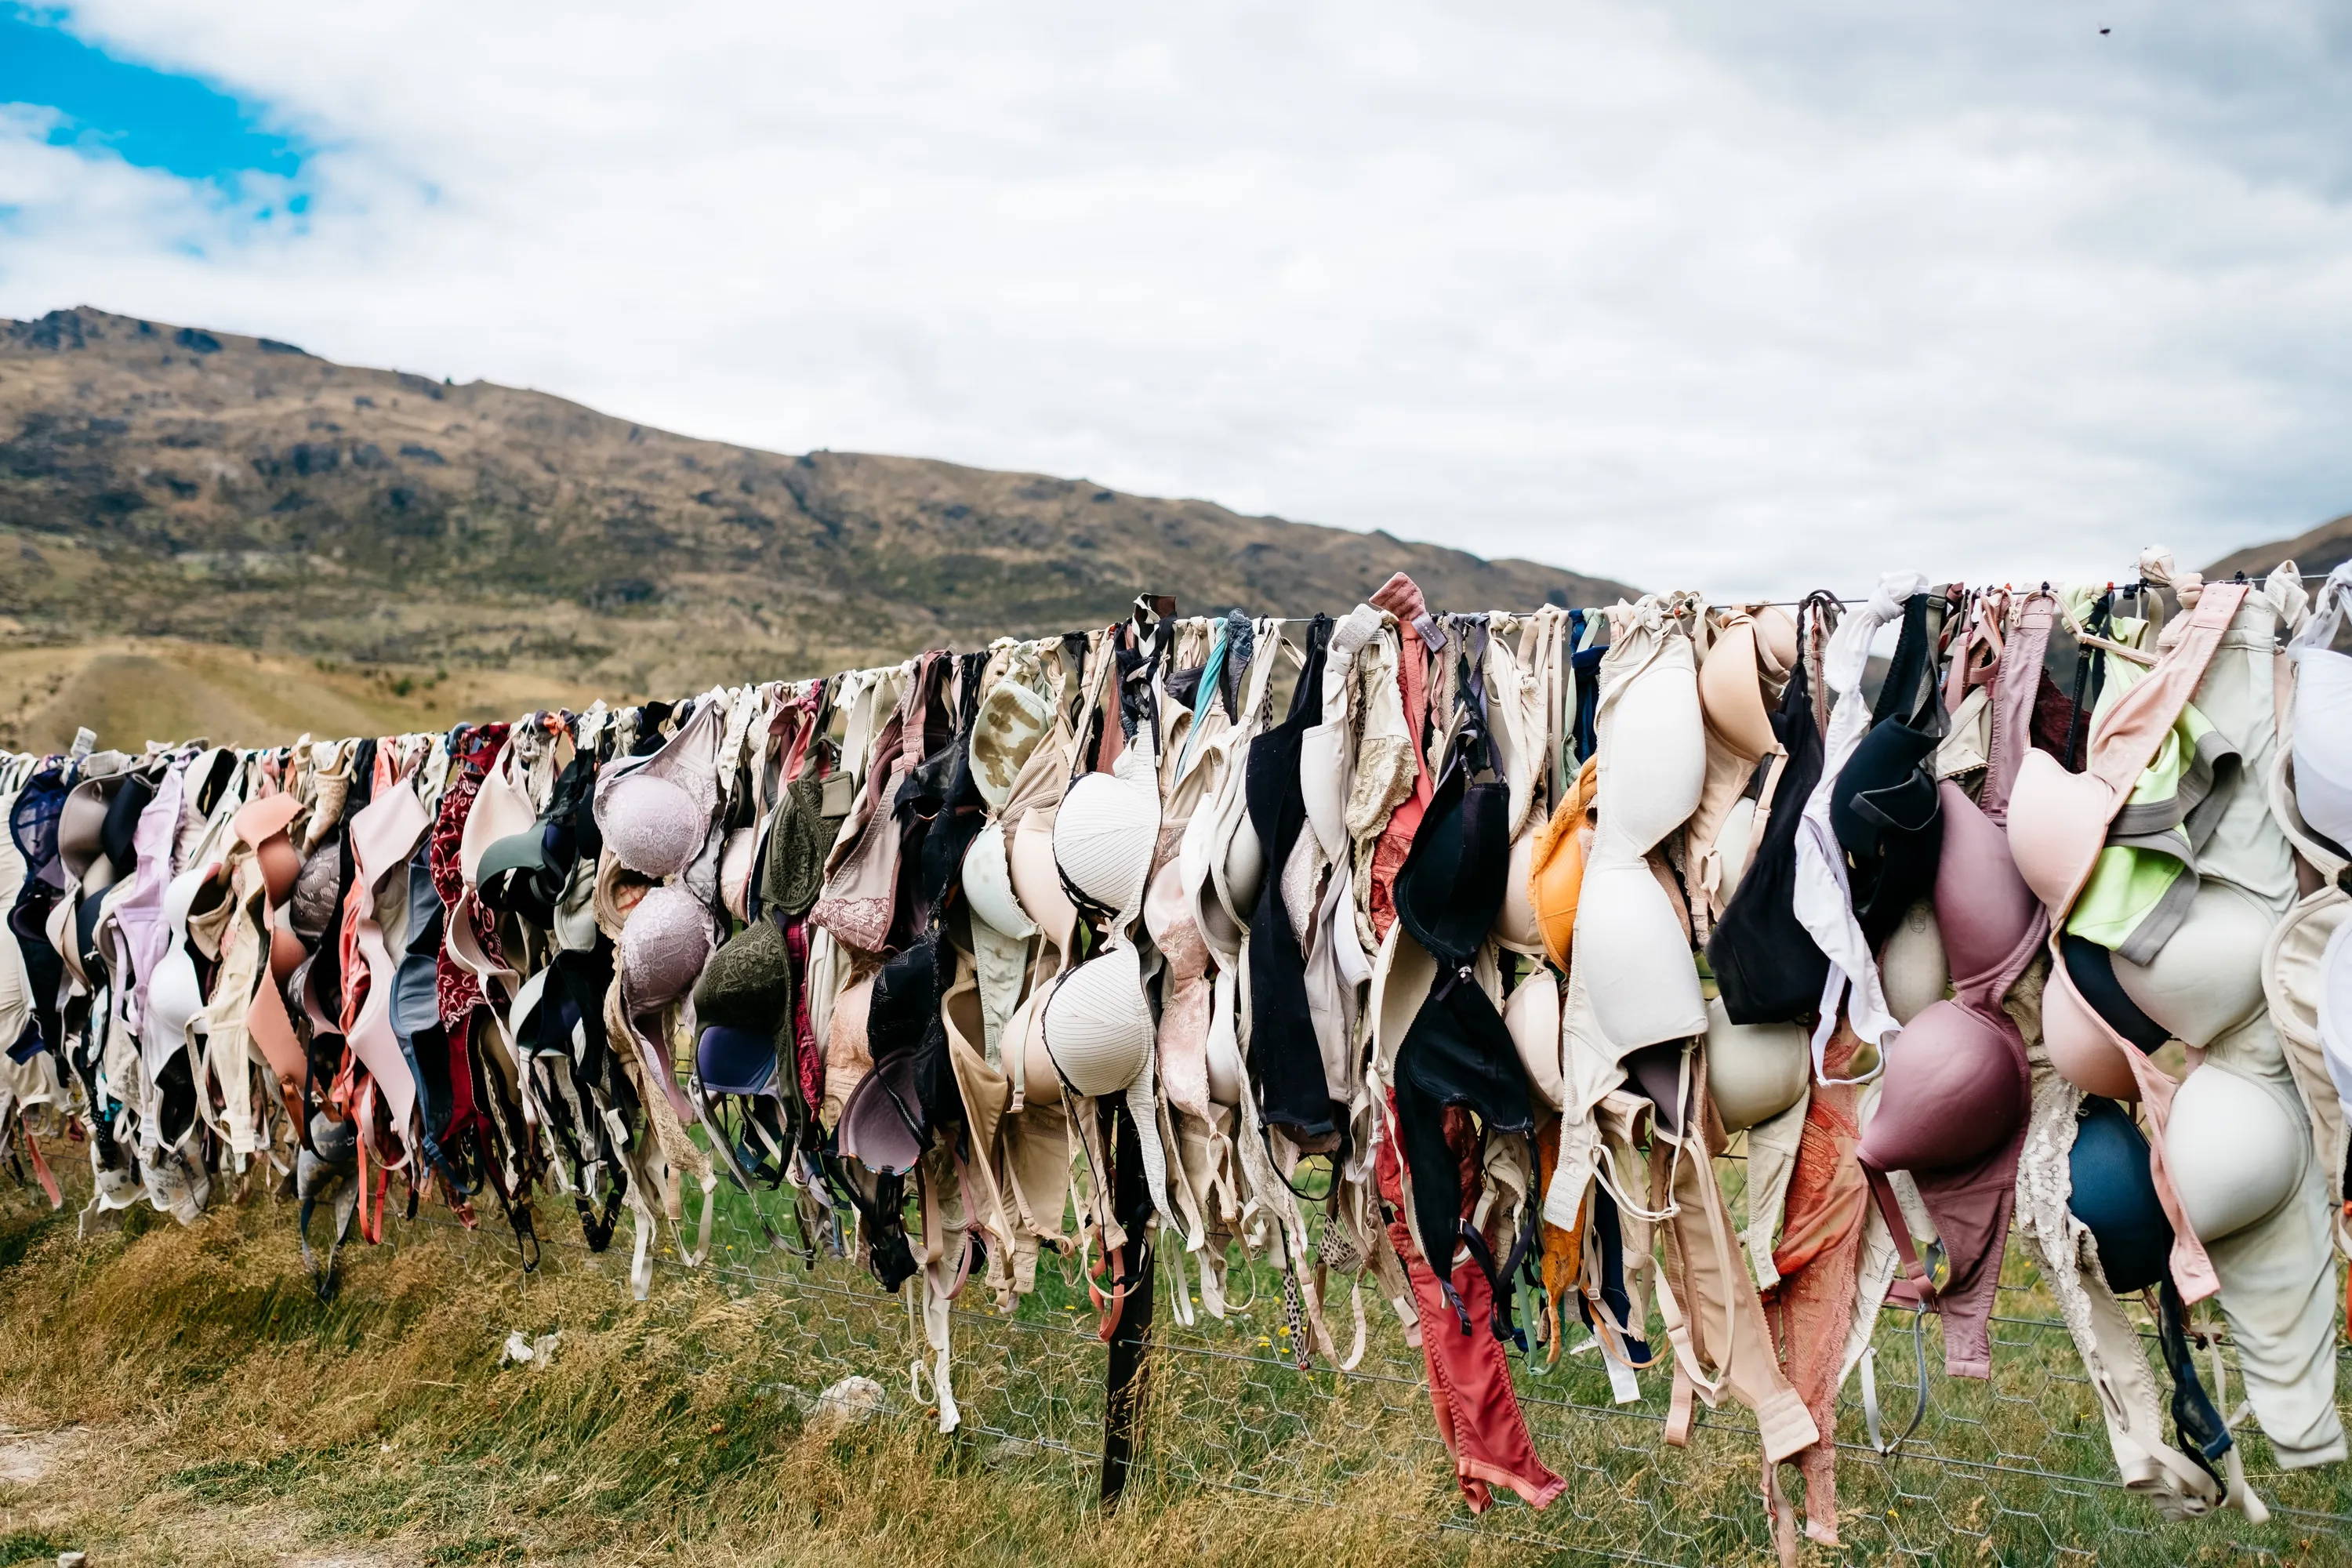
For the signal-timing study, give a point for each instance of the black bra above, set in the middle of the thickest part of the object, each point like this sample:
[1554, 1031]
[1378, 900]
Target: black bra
[1885, 807]
[1767, 967]
[1457, 1051]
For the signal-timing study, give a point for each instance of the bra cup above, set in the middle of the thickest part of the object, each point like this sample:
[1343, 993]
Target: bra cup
[2296, 971]
[1013, 720]
[1626, 929]
[1168, 914]
[1516, 925]
[1532, 1015]
[1776, 633]
[1402, 973]
[1097, 1023]
[1555, 880]
[1217, 929]
[1735, 841]
[313, 905]
[735, 861]
[1323, 783]
[1984, 910]
[2207, 979]
[1659, 766]
[1754, 1071]
[1912, 968]
[2057, 824]
[1036, 881]
[1023, 1037]
[847, 1059]
[1953, 1093]
[286, 951]
[2114, 1193]
[2234, 1152]
[1884, 797]
[1103, 838]
[1226, 1072]
[180, 898]
[2322, 742]
[1241, 873]
[501, 808]
[2080, 1046]
[664, 947]
[987, 884]
[281, 866]
[1732, 697]
[651, 825]
[173, 997]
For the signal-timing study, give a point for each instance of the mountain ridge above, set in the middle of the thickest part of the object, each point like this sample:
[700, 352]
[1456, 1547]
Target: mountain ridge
[2316, 549]
[170, 481]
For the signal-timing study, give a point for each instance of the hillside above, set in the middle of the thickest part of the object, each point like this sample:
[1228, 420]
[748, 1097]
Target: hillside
[129, 691]
[2323, 549]
[163, 482]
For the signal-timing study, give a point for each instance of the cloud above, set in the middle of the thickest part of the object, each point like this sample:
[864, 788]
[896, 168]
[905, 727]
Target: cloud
[1742, 298]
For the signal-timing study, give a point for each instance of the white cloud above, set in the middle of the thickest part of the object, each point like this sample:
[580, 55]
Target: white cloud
[1745, 299]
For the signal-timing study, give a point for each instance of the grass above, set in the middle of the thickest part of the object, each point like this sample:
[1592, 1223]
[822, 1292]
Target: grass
[209, 1410]
[132, 691]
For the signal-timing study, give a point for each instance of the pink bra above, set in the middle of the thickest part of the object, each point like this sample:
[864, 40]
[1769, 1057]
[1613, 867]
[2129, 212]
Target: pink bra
[1954, 1102]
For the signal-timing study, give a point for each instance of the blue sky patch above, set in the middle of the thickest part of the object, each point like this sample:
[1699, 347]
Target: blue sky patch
[147, 116]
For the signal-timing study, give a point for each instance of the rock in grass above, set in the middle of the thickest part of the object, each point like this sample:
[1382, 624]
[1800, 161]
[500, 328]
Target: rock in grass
[849, 1403]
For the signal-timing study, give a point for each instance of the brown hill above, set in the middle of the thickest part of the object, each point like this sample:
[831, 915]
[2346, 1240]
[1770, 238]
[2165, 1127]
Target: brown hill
[162, 481]
[2323, 549]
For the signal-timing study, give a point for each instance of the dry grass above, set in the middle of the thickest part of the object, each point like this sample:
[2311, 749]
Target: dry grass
[130, 691]
[180, 1396]
[191, 1402]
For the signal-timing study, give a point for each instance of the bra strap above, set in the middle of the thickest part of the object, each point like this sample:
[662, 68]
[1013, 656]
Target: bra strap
[2015, 685]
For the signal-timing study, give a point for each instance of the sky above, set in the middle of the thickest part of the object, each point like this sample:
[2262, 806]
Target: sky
[1748, 299]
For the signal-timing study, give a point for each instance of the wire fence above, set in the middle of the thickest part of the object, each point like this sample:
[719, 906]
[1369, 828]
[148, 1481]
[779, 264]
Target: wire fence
[2015, 1470]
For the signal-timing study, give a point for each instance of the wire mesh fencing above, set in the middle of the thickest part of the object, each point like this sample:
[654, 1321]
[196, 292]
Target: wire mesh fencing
[2014, 1469]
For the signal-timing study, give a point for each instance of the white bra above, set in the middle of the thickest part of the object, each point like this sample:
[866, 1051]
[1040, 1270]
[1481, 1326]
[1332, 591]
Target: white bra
[1653, 766]
[2322, 713]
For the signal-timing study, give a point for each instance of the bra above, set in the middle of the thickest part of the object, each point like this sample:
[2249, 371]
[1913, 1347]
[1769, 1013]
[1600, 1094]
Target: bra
[1103, 838]
[1532, 1015]
[2113, 1193]
[744, 1005]
[2058, 823]
[2235, 1151]
[1652, 763]
[1556, 877]
[1457, 1049]
[655, 812]
[1754, 1071]
[987, 879]
[1767, 967]
[1013, 718]
[1730, 685]
[2323, 714]
[1885, 807]
[1285, 1059]
[1957, 1090]
[1097, 1020]
[384, 835]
